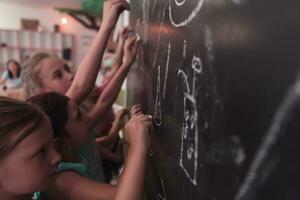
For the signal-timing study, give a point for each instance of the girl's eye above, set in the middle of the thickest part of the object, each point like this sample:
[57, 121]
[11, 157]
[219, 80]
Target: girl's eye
[57, 75]
[41, 153]
[67, 68]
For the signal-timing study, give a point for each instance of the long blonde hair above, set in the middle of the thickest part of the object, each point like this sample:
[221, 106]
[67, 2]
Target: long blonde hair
[30, 73]
[17, 120]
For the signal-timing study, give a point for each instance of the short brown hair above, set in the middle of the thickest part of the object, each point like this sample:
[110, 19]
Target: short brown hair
[16, 116]
[55, 105]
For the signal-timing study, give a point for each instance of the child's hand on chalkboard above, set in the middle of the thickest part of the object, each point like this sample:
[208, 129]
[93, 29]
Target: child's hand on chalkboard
[135, 109]
[138, 131]
[120, 117]
[130, 49]
[111, 11]
[123, 35]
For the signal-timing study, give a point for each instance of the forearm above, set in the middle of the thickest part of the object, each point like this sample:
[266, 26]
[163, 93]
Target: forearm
[131, 182]
[109, 94]
[87, 71]
[117, 61]
[118, 55]
[111, 136]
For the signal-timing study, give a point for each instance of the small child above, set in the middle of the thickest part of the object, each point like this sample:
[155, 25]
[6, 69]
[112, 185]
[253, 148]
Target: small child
[28, 160]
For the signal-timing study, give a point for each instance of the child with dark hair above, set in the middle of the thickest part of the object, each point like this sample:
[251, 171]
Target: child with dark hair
[10, 78]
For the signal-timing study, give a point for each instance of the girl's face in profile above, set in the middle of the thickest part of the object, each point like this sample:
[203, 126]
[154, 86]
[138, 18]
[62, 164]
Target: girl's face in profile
[55, 75]
[31, 164]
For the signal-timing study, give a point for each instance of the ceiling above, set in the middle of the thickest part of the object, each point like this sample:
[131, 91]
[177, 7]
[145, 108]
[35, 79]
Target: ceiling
[45, 3]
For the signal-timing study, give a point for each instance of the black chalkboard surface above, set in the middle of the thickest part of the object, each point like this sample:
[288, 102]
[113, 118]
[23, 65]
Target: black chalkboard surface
[221, 78]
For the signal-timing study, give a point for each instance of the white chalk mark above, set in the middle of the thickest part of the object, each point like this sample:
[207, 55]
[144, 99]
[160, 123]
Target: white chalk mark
[162, 196]
[198, 68]
[189, 132]
[184, 49]
[157, 107]
[180, 3]
[209, 43]
[239, 2]
[151, 153]
[189, 139]
[251, 182]
[182, 73]
[167, 70]
[159, 36]
[186, 21]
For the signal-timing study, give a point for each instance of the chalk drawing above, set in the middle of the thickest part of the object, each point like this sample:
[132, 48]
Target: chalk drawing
[180, 3]
[209, 43]
[159, 36]
[189, 132]
[252, 181]
[167, 70]
[162, 196]
[157, 107]
[184, 22]
[184, 49]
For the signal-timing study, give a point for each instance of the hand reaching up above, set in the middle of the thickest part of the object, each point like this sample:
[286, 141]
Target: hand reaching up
[130, 50]
[111, 11]
[135, 109]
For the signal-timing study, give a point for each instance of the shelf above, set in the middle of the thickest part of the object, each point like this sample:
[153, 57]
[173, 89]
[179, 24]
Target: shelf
[20, 44]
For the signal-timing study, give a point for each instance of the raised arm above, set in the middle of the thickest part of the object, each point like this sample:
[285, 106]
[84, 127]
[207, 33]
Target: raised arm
[112, 136]
[87, 71]
[131, 183]
[71, 186]
[111, 91]
[122, 36]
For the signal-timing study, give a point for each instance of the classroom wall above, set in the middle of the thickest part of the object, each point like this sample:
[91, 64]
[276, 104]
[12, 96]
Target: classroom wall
[11, 14]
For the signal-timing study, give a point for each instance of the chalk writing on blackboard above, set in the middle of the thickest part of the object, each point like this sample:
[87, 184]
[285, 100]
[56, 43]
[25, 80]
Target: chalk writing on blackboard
[157, 107]
[179, 3]
[209, 43]
[159, 36]
[189, 132]
[186, 21]
[162, 196]
[167, 70]
[260, 164]
[184, 49]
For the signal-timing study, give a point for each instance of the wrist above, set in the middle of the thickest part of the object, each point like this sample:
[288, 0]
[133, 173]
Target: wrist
[139, 148]
[126, 64]
[107, 26]
[118, 124]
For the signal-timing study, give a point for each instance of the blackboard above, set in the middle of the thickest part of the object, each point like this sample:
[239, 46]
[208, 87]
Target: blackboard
[221, 78]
